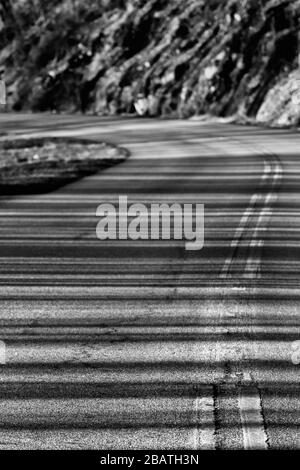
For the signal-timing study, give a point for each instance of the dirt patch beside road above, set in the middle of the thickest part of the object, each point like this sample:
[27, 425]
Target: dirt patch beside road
[42, 165]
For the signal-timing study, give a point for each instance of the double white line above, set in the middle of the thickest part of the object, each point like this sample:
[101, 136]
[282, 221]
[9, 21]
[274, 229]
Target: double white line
[260, 207]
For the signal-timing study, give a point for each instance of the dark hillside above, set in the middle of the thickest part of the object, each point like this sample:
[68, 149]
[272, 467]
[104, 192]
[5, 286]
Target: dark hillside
[153, 56]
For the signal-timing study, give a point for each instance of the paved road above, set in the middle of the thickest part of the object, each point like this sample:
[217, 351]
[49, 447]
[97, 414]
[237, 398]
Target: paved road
[142, 344]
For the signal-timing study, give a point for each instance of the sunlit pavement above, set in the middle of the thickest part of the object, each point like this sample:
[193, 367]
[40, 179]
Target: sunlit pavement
[142, 344]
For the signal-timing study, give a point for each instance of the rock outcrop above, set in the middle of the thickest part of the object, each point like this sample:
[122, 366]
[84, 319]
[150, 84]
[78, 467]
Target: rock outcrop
[154, 57]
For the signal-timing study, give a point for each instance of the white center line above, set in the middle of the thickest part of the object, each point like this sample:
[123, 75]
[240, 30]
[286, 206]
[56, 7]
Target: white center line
[252, 269]
[204, 434]
[254, 435]
[272, 172]
[238, 233]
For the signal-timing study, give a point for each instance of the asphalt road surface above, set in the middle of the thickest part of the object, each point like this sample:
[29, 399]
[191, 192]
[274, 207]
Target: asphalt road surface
[142, 344]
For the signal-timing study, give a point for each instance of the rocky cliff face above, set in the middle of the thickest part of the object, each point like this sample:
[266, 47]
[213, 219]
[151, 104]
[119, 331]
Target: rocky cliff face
[155, 57]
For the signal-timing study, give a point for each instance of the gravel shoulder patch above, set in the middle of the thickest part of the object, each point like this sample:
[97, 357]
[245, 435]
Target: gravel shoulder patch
[42, 165]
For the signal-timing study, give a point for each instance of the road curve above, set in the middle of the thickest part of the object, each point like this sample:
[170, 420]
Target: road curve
[142, 344]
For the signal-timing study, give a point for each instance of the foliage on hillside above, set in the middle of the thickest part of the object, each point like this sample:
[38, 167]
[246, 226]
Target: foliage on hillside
[152, 56]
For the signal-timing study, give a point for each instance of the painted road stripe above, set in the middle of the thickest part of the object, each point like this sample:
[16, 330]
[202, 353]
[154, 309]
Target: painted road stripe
[238, 234]
[205, 434]
[252, 268]
[254, 435]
